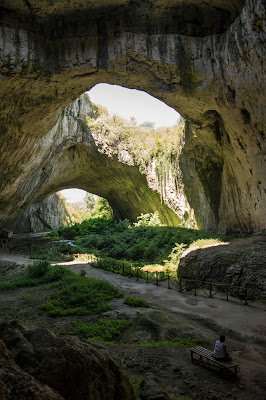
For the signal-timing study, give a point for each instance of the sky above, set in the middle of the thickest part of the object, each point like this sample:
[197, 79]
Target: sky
[133, 103]
[127, 103]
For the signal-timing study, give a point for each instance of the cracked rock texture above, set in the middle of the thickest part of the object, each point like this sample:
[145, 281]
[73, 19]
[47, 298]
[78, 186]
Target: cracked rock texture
[203, 58]
[238, 263]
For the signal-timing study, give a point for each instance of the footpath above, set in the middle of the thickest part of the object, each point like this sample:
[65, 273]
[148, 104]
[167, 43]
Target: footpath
[247, 321]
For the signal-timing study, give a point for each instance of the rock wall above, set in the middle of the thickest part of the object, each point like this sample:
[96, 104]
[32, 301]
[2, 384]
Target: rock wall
[41, 216]
[38, 364]
[238, 263]
[204, 61]
[70, 156]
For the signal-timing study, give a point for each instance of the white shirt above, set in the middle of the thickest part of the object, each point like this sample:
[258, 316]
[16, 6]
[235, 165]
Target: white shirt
[218, 350]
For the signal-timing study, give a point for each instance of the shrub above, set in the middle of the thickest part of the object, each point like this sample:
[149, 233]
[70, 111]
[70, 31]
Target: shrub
[76, 295]
[150, 219]
[104, 330]
[136, 302]
[38, 269]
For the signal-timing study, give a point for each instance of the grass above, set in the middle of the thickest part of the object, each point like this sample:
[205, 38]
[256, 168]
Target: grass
[72, 294]
[137, 384]
[39, 273]
[105, 330]
[176, 342]
[139, 242]
[79, 295]
[136, 302]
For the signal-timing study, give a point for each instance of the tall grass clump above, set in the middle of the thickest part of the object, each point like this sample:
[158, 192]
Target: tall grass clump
[79, 295]
[39, 273]
[136, 302]
[105, 330]
[72, 294]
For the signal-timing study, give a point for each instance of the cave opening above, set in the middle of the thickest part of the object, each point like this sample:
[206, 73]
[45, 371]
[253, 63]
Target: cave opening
[141, 111]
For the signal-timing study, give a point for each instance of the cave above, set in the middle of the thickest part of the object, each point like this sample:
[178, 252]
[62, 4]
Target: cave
[205, 61]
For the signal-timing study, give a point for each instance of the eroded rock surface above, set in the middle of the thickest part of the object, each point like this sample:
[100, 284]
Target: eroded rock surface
[17, 384]
[41, 216]
[238, 263]
[74, 369]
[204, 60]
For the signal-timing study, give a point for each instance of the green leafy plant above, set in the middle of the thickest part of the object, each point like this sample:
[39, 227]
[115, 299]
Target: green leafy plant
[76, 295]
[150, 219]
[136, 302]
[137, 384]
[104, 330]
[36, 274]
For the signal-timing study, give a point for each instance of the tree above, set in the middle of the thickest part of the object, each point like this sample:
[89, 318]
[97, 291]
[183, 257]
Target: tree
[148, 124]
[90, 201]
[102, 208]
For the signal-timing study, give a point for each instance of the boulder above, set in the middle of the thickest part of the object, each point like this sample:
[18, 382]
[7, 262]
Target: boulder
[75, 369]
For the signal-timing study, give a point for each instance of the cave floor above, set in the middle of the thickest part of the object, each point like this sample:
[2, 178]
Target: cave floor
[167, 372]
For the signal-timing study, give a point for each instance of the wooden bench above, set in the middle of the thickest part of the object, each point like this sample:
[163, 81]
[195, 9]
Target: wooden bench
[207, 355]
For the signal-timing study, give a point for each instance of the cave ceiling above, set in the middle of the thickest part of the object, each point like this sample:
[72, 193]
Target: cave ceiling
[203, 58]
[57, 19]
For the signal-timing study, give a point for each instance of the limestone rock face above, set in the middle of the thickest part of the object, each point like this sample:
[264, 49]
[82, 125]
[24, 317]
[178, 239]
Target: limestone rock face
[74, 369]
[240, 263]
[44, 215]
[70, 156]
[202, 58]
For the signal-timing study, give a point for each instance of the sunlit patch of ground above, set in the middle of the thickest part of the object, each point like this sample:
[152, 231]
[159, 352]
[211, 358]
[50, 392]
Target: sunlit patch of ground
[75, 262]
[203, 244]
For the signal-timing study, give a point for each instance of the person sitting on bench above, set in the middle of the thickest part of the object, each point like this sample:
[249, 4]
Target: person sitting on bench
[220, 352]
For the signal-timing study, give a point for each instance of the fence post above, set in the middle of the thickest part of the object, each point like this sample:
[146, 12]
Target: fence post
[168, 280]
[195, 288]
[123, 271]
[156, 274]
[137, 274]
[180, 285]
[246, 295]
[210, 290]
[227, 298]
[147, 272]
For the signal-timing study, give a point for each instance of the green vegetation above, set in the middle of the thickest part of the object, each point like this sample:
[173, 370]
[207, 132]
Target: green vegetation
[143, 142]
[137, 384]
[72, 294]
[36, 274]
[83, 228]
[50, 250]
[121, 246]
[146, 244]
[136, 302]
[91, 206]
[148, 220]
[78, 295]
[176, 342]
[106, 330]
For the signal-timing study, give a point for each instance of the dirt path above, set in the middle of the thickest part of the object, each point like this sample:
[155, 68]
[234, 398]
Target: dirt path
[15, 258]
